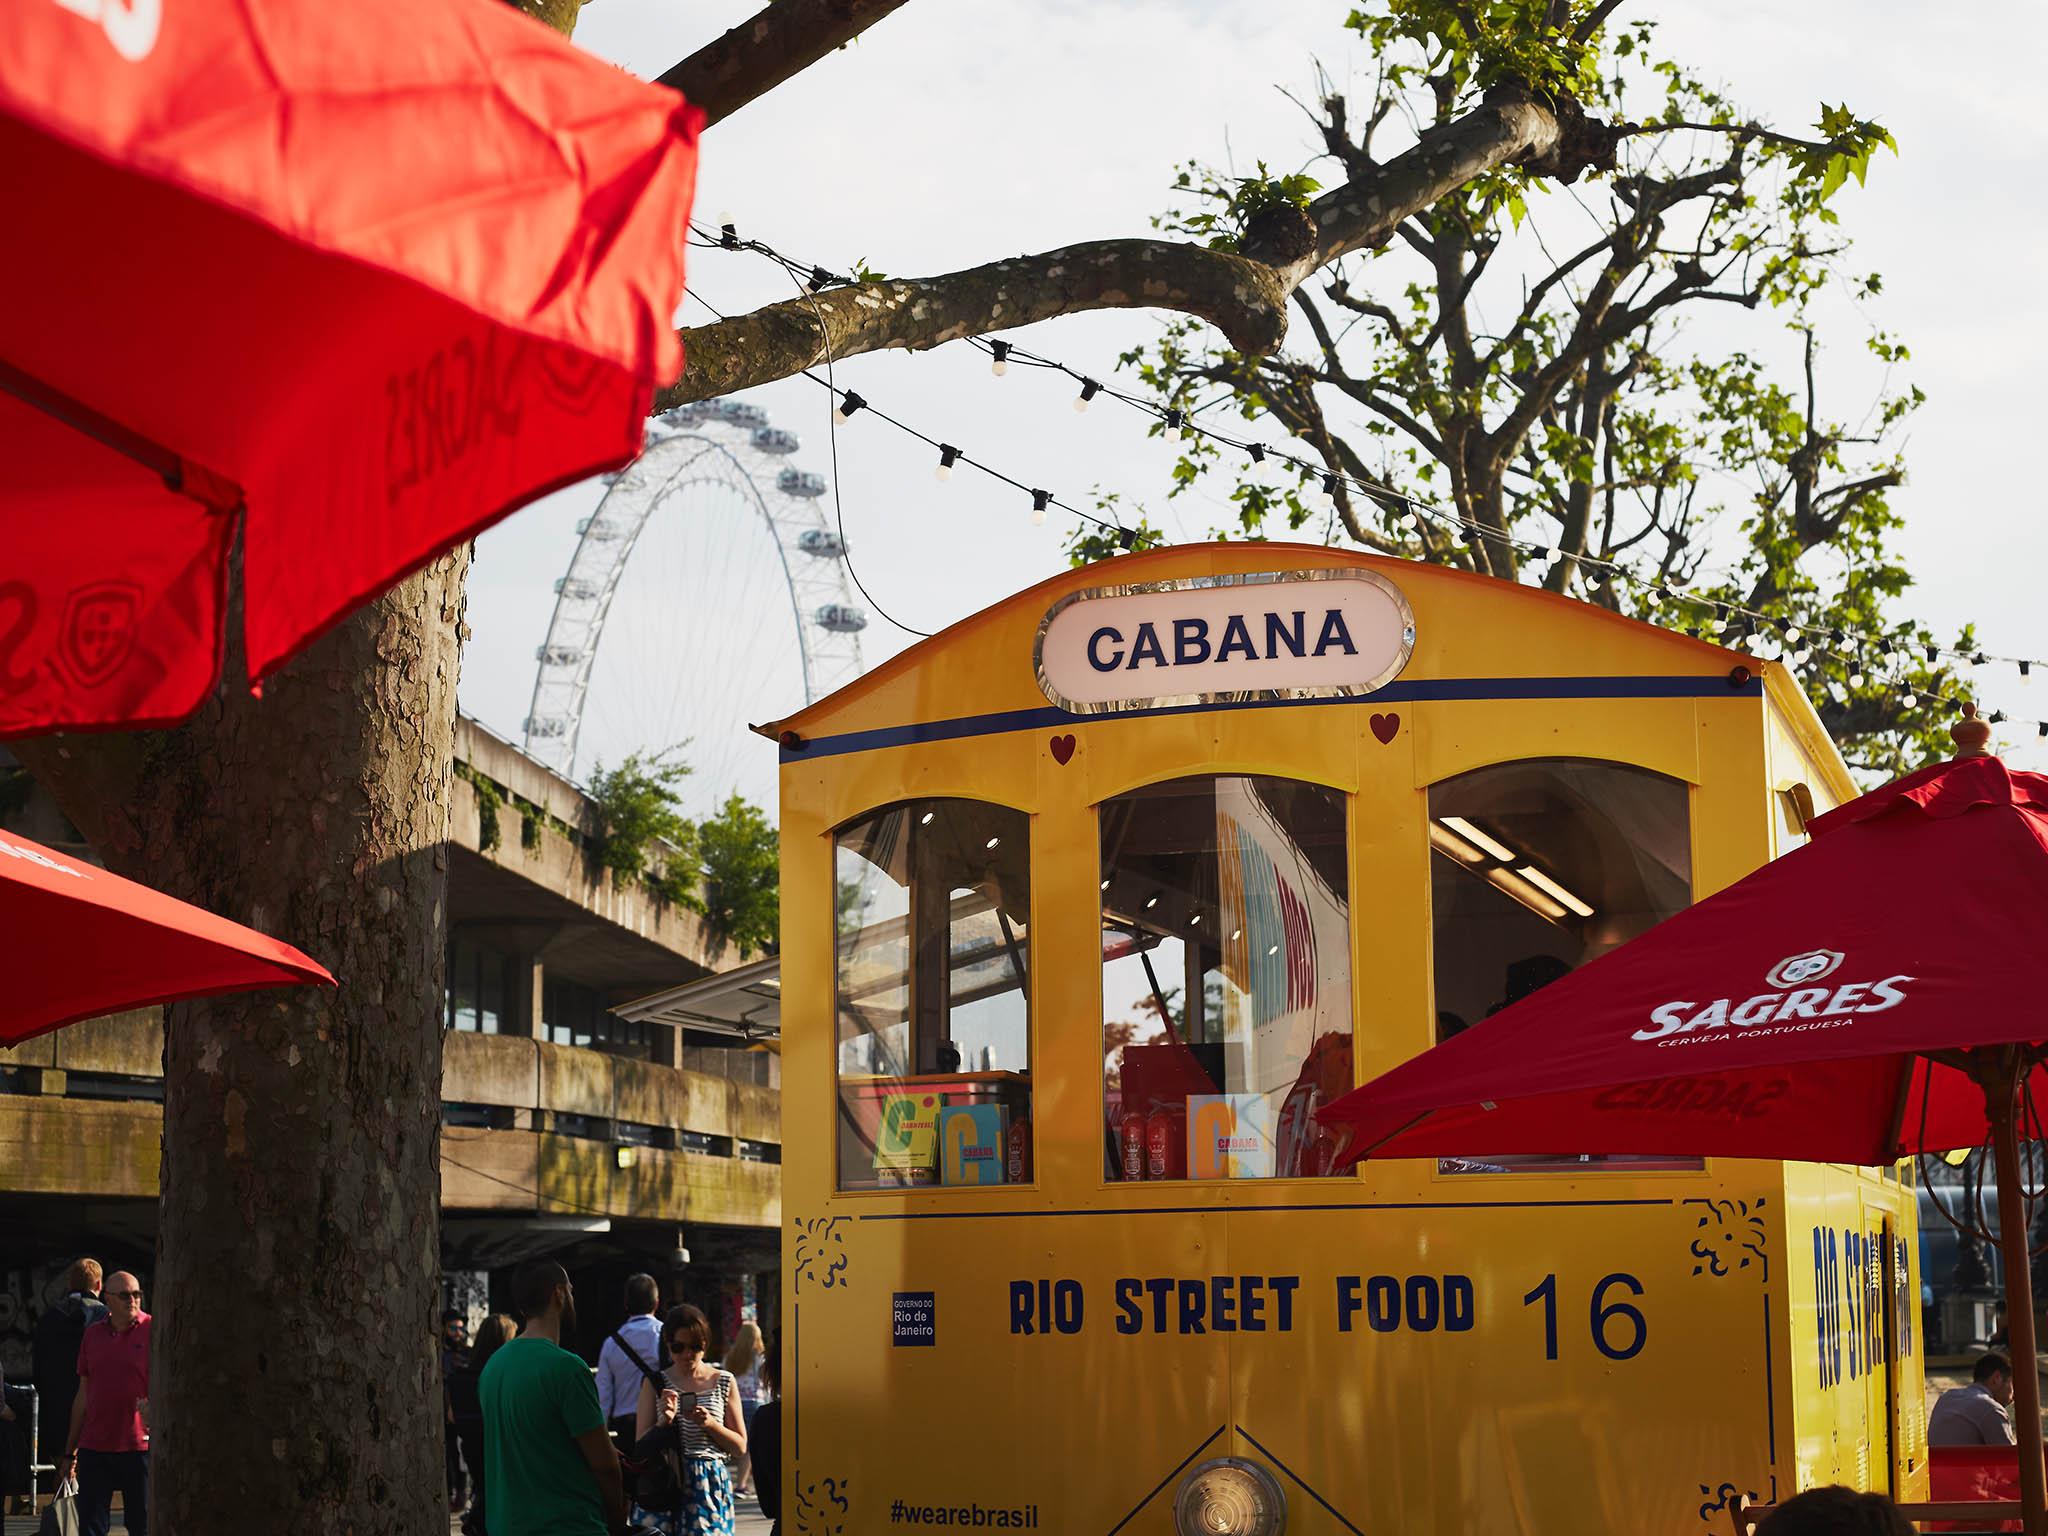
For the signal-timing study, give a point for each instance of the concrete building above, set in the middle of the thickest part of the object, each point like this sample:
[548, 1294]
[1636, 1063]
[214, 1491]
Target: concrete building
[613, 1145]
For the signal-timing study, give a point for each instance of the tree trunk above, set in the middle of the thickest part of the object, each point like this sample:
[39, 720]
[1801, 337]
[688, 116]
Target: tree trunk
[296, 1382]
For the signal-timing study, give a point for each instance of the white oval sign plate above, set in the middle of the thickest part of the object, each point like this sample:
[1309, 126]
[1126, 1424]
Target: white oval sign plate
[1269, 635]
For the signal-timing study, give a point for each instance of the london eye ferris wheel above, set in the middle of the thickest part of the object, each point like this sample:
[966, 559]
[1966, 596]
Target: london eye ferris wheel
[708, 589]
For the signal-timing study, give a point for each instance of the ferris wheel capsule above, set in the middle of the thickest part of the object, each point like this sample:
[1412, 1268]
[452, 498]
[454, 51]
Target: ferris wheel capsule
[741, 413]
[801, 483]
[821, 542]
[776, 440]
[841, 618]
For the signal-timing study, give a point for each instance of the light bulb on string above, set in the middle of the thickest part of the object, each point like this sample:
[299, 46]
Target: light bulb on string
[1856, 679]
[1910, 699]
[1258, 456]
[1039, 502]
[999, 353]
[1089, 390]
[728, 232]
[1792, 634]
[948, 457]
[848, 405]
[2026, 671]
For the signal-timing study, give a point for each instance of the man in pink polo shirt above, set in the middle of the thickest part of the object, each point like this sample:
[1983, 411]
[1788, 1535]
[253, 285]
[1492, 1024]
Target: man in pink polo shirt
[108, 1446]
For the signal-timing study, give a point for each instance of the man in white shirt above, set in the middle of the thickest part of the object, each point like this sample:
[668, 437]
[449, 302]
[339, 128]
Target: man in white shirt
[618, 1375]
[1979, 1414]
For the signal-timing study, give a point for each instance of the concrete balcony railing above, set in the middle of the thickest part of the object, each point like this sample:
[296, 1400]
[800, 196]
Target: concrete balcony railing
[578, 1132]
[533, 1127]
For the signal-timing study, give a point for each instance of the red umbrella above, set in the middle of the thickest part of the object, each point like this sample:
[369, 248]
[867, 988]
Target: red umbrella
[82, 942]
[360, 278]
[1872, 995]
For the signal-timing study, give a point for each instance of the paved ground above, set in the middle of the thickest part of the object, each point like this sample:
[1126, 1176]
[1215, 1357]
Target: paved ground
[751, 1522]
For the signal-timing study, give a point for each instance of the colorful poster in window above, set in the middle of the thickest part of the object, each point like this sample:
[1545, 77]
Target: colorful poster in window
[907, 1139]
[1230, 1136]
[971, 1143]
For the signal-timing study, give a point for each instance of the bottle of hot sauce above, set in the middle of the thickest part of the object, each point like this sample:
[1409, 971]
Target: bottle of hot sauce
[1166, 1143]
[1018, 1162]
[1131, 1137]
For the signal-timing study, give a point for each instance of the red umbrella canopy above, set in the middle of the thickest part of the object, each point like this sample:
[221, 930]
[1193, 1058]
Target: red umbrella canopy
[1796, 1014]
[366, 277]
[80, 941]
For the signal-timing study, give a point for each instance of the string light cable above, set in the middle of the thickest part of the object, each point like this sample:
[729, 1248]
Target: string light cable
[1732, 623]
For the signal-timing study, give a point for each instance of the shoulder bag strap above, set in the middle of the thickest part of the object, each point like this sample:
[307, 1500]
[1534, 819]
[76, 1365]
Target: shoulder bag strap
[632, 1354]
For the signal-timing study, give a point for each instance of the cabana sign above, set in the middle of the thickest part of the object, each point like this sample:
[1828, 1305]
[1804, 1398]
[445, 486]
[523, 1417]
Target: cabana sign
[1258, 638]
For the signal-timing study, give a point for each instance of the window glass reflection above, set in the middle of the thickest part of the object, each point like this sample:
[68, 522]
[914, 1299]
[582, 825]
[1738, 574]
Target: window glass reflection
[1226, 978]
[933, 995]
[1538, 867]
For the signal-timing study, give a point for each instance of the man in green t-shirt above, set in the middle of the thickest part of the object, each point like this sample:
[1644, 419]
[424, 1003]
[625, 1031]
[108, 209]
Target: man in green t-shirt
[549, 1466]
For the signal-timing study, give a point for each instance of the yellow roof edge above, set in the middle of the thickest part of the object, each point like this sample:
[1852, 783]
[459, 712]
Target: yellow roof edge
[1124, 569]
[1800, 717]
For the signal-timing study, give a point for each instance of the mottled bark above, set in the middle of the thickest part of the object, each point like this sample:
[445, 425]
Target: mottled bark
[296, 1384]
[559, 14]
[1242, 294]
[768, 48]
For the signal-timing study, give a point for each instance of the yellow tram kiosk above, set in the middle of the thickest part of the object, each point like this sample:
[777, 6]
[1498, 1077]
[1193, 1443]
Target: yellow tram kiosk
[1090, 902]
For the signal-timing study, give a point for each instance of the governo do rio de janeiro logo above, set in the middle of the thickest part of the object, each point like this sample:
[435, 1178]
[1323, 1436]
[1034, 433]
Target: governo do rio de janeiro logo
[1797, 970]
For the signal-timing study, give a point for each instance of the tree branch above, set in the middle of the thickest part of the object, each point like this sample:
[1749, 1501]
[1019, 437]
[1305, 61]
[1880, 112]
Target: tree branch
[1243, 294]
[759, 54]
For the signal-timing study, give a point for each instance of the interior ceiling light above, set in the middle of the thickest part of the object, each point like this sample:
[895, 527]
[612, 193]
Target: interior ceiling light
[1494, 846]
[1543, 882]
[1527, 894]
[1445, 841]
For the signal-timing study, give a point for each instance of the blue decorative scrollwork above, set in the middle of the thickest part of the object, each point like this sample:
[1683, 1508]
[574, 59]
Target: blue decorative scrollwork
[1730, 1235]
[820, 1252]
[821, 1506]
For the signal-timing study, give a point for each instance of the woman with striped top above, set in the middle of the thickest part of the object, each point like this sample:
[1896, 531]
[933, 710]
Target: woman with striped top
[701, 1404]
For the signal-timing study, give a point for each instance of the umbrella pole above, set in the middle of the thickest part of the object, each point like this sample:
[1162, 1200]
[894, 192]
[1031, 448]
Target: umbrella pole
[2001, 1100]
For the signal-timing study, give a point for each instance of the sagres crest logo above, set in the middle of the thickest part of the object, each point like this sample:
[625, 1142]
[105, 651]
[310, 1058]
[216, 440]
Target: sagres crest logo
[1795, 970]
[1793, 1004]
[99, 629]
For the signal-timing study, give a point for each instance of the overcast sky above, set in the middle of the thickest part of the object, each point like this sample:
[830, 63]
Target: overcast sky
[960, 131]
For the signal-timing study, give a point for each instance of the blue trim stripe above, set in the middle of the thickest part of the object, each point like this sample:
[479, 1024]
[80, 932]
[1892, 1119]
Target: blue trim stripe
[1230, 1210]
[1396, 692]
[1770, 1389]
[1176, 1472]
[1355, 1531]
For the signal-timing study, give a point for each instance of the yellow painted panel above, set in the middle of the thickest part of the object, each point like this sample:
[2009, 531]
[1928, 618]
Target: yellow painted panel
[923, 1377]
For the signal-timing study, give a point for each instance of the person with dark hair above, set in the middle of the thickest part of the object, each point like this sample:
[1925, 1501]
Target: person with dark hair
[696, 1415]
[467, 1407]
[59, 1332]
[1836, 1511]
[630, 1357]
[1528, 976]
[549, 1465]
[764, 1438]
[1979, 1414]
[454, 1360]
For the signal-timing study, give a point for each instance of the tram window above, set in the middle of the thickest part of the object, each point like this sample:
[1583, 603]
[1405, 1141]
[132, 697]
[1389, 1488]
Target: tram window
[1539, 867]
[933, 996]
[1226, 978]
